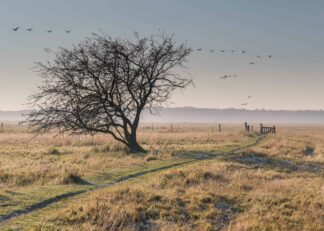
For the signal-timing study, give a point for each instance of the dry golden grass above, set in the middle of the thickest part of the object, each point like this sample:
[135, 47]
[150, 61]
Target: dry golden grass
[277, 185]
[211, 196]
[47, 159]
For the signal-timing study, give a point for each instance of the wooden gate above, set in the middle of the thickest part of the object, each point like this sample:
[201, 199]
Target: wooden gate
[267, 130]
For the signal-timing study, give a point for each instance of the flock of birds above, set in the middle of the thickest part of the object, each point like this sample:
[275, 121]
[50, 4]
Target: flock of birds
[31, 29]
[244, 51]
[240, 51]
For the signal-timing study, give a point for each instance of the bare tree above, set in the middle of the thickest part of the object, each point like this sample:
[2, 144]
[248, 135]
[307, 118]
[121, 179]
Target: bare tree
[102, 85]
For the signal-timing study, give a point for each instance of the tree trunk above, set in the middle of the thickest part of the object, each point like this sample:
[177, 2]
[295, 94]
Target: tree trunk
[133, 146]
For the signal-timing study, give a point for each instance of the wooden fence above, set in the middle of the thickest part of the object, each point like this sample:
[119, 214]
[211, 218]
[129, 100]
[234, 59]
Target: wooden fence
[248, 127]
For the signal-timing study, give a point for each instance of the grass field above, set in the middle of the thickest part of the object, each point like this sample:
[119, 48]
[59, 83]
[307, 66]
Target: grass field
[192, 179]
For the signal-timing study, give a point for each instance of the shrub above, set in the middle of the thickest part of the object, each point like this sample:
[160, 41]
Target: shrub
[308, 151]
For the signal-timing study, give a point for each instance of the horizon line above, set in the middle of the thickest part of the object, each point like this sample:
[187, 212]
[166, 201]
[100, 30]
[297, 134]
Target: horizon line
[208, 108]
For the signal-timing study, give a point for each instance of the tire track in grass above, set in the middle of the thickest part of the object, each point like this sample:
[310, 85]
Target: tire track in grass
[47, 202]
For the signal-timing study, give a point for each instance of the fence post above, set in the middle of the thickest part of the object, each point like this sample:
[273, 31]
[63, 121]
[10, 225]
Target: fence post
[261, 129]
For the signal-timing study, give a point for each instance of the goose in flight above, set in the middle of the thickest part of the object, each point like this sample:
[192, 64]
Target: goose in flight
[252, 63]
[29, 29]
[68, 31]
[15, 29]
[49, 31]
[228, 76]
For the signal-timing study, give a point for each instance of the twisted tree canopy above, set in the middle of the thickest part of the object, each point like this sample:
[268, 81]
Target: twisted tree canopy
[102, 85]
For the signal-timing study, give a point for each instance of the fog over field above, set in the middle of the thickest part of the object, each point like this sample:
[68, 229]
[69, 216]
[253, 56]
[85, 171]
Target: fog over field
[208, 115]
[202, 115]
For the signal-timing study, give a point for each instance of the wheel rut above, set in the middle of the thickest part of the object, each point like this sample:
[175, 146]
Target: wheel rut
[50, 201]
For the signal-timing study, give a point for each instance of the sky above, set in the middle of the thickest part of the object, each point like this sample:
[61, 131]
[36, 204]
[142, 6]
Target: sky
[292, 31]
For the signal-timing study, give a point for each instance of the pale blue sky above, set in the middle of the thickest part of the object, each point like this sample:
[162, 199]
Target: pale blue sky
[292, 30]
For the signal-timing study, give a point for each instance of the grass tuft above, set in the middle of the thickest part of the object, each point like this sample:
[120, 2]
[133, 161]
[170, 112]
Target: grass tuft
[53, 151]
[70, 178]
[151, 158]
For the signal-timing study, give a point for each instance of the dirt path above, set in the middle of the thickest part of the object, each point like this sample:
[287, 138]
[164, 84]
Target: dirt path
[47, 202]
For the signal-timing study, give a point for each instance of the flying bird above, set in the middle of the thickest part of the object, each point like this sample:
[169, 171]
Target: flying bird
[49, 31]
[244, 104]
[29, 29]
[270, 56]
[16, 28]
[258, 56]
[199, 49]
[228, 76]
[252, 63]
[68, 31]
[212, 50]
